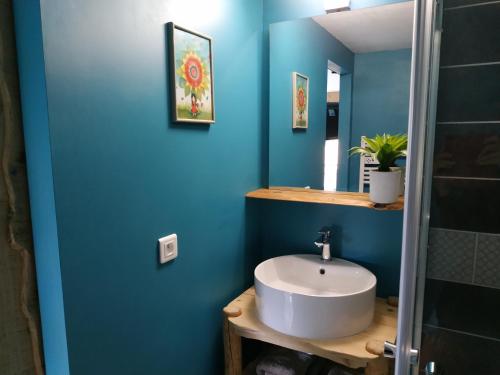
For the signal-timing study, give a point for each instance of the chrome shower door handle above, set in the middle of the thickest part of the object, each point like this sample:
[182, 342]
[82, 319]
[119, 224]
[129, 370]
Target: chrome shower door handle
[389, 350]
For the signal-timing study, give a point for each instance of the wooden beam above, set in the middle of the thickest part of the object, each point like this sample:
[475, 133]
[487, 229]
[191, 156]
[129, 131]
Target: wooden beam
[290, 194]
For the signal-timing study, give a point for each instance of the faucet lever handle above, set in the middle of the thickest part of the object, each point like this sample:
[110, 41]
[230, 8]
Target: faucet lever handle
[326, 233]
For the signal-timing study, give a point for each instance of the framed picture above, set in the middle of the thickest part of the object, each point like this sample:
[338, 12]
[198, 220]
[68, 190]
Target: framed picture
[191, 76]
[300, 103]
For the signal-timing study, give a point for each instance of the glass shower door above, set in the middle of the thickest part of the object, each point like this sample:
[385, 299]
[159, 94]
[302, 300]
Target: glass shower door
[449, 321]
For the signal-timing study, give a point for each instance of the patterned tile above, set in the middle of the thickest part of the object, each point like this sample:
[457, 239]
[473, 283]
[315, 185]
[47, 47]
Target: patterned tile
[450, 255]
[488, 261]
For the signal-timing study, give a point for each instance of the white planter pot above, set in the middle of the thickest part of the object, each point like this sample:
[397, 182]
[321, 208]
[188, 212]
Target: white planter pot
[402, 185]
[385, 186]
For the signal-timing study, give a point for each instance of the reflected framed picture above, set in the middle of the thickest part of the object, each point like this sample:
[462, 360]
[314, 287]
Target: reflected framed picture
[191, 76]
[300, 101]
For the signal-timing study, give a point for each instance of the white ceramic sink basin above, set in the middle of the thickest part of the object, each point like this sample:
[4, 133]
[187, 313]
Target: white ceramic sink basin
[304, 296]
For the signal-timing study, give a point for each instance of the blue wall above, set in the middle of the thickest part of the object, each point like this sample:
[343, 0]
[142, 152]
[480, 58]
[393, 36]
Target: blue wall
[41, 186]
[296, 155]
[124, 176]
[380, 99]
[285, 10]
[109, 174]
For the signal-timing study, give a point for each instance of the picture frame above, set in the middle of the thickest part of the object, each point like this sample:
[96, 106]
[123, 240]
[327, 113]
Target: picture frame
[191, 76]
[300, 101]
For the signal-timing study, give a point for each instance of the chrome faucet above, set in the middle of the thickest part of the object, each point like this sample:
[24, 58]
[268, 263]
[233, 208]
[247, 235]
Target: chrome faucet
[323, 242]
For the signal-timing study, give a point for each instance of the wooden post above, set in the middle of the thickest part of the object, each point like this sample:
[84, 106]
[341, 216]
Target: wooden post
[380, 365]
[232, 344]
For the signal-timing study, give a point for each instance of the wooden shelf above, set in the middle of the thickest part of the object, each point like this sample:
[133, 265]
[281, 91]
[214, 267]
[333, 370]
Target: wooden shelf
[363, 350]
[323, 197]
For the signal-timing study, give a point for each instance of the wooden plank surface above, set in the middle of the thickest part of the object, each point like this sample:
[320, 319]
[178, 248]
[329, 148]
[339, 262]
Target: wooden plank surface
[323, 197]
[350, 351]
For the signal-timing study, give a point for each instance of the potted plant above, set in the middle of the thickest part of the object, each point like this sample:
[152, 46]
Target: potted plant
[385, 182]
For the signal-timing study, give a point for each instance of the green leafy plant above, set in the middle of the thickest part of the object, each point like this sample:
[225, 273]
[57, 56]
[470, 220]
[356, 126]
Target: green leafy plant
[386, 149]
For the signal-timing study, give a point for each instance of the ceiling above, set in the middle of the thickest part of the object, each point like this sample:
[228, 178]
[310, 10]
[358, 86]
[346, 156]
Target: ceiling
[381, 28]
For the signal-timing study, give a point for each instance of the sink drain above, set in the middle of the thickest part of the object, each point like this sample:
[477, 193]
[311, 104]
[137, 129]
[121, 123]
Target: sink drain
[322, 271]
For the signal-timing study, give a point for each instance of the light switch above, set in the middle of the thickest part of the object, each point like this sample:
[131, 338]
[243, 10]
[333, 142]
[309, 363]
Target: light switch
[167, 247]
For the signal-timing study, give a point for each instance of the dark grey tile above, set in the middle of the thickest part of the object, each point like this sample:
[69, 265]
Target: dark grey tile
[488, 261]
[469, 94]
[450, 255]
[468, 308]
[457, 3]
[467, 150]
[459, 354]
[469, 205]
[471, 35]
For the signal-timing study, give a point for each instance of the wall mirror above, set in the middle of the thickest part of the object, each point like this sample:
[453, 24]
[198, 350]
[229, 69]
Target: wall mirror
[356, 65]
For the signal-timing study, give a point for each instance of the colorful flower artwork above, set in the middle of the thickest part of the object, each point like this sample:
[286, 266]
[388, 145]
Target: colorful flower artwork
[191, 76]
[300, 103]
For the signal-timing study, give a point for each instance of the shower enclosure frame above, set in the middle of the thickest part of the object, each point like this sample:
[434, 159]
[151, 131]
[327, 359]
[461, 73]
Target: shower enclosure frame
[421, 129]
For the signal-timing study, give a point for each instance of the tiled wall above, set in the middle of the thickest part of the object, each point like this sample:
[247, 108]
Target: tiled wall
[462, 298]
[464, 257]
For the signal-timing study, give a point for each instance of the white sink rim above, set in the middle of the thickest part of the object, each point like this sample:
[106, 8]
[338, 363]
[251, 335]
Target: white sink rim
[261, 277]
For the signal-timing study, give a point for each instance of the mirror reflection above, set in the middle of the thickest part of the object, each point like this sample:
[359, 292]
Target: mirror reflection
[334, 79]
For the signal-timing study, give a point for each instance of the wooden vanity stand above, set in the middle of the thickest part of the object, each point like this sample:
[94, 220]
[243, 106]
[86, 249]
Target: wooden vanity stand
[364, 350]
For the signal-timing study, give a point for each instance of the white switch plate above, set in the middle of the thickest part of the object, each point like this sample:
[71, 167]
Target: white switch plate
[167, 247]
